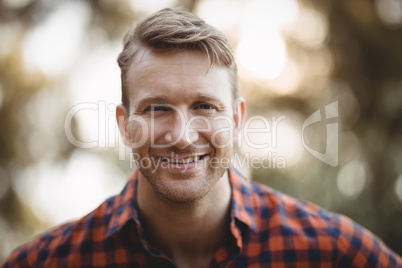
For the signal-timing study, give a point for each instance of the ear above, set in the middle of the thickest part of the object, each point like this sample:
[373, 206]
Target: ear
[122, 120]
[239, 115]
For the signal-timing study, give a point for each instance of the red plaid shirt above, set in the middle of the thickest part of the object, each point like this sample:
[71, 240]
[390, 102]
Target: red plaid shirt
[269, 229]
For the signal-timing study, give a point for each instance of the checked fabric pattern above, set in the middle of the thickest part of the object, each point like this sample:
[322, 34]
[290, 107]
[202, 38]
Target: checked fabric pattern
[269, 229]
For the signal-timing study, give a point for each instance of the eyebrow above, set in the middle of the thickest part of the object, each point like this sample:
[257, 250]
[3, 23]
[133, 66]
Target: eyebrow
[147, 99]
[159, 98]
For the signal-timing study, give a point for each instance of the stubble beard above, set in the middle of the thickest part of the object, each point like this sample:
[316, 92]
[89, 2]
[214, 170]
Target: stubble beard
[181, 190]
[177, 187]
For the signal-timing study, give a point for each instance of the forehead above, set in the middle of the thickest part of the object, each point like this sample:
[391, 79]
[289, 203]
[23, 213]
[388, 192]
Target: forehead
[176, 62]
[176, 74]
[152, 58]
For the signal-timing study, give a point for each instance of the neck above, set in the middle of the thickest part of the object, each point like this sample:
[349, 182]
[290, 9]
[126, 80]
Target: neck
[194, 230]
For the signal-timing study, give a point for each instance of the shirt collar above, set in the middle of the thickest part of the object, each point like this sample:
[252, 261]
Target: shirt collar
[243, 201]
[123, 206]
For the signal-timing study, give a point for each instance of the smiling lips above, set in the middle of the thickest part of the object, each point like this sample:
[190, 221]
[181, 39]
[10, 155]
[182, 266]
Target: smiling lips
[182, 160]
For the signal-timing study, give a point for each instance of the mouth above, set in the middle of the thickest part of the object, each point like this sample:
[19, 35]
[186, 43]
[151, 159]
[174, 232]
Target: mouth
[183, 160]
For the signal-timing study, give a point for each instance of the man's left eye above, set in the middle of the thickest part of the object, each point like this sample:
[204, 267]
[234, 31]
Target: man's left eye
[205, 107]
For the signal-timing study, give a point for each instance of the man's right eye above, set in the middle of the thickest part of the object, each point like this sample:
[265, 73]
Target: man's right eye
[156, 108]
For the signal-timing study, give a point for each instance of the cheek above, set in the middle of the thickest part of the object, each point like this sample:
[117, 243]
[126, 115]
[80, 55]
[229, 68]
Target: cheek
[145, 132]
[222, 135]
[139, 132]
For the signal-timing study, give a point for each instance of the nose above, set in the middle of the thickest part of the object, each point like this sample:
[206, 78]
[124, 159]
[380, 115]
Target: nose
[179, 134]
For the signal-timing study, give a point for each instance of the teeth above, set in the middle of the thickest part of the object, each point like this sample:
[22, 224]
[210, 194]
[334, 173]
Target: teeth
[181, 161]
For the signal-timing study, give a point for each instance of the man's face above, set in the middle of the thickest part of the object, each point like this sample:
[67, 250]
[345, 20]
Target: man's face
[180, 122]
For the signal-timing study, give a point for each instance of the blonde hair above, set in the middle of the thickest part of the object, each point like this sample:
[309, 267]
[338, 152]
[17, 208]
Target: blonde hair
[177, 29]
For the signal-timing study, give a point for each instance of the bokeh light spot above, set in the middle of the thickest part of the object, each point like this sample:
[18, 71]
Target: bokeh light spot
[279, 133]
[63, 31]
[58, 193]
[150, 6]
[311, 28]
[352, 179]
[398, 188]
[390, 11]
[288, 81]
[261, 15]
[262, 56]
[211, 12]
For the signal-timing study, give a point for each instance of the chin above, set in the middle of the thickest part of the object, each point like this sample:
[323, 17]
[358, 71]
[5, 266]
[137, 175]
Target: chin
[181, 188]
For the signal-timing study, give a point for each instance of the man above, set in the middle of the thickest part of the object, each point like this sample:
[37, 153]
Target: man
[185, 206]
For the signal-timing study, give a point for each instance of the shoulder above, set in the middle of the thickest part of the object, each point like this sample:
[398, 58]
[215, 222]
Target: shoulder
[303, 225]
[52, 249]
